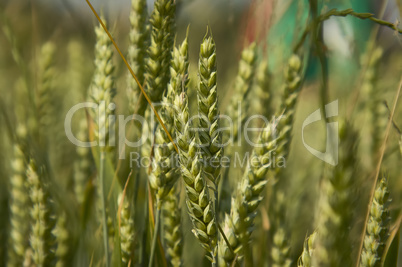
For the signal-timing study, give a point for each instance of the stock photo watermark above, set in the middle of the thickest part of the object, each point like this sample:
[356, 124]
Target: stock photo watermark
[246, 128]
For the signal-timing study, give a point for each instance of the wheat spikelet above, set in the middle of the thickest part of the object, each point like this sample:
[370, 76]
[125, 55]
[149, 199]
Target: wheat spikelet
[19, 217]
[377, 227]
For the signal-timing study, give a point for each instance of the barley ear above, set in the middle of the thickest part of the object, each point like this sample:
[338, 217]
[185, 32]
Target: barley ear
[377, 227]
[19, 217]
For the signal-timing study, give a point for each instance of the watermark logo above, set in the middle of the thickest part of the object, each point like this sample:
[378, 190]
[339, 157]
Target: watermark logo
[330, 155]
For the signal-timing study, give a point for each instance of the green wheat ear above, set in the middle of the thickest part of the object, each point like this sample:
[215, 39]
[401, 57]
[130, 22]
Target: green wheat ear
[159, 52]
[45, 87]
[242, 87]
[102, 88]
[262, 90]
[336, 201]
[40, 239]
[308, 250]
[207, 95]
[172, 229]
[238, 225]
[164, 172]
[19, 217]
[82, 164]
[377, 227]
[199, 203]
[137, 50]
[62, 240]
[127, 233]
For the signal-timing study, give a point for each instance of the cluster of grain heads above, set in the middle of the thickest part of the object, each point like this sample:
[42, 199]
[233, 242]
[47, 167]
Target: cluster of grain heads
[159, 52]
[127, 233]
[45, 88]
[19, 216]
[308, 250]
[336, 204]
[199, 203]
[242, 86]
[102, 88]
[377, 229]
[172, 229]
[138, 40]
[238, 226]
[164, 172]
[63, 240]
[40, 238]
